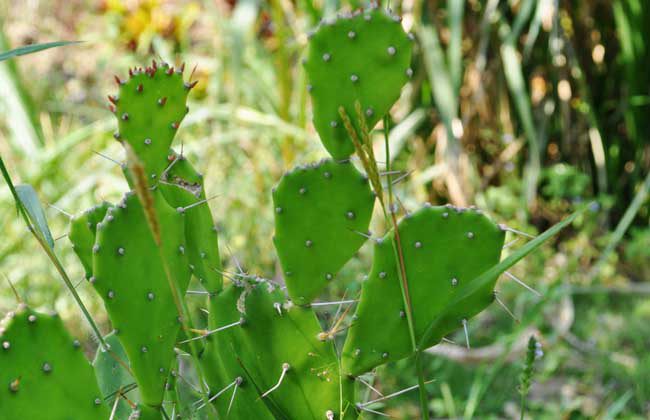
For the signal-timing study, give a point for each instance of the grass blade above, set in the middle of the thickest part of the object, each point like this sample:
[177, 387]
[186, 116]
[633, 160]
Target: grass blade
[517, 86]
[30, 49]
[624, 223]
[456, 9]
[29, 200]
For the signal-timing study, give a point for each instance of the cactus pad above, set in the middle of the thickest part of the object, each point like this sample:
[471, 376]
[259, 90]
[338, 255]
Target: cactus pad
[150, 107]
[321, 214]
[43, 371]
[362, 58]
[444, 249]
[277, 336]
[182, 186]
[113, 377]
[82, 234]
[221, 361]
[131, 278]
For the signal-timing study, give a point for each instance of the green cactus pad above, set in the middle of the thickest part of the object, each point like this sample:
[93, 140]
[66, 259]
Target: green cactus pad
[220, 360]
[182, 186]
[321, 214]
[362, 58]
[221, 365]
[444, 248]
[149, 107]
[82, 234]
[113, 377]
[43, 372]
[274, 333]
[131, 278]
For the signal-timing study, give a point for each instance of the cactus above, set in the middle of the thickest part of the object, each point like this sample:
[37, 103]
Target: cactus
[221, 360]
[264, 355]
[364, 57]
[284, 357]
[443, 247]
[150, 106]
[182, 187]
[114, 377]
[311, 254]
[131, 277]
[82, 234]
[43, 371]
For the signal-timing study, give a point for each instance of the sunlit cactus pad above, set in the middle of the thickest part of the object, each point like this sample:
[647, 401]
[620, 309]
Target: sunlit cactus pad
[321, 214]
[130, 277]
[150, 106]
[364, 57]
[444, 248]
[221, 361]
[82, 234]
[285, 356]
[43, 371]
[182, 186]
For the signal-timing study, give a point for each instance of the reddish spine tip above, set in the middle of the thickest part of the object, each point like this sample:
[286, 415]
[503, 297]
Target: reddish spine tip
[175, 125]
[139, 88]
[162, 101]
[190, 86]
[113, 99]
[118, 81]
[170, 71]
[130, 72]
[111, 108]
[183, 67]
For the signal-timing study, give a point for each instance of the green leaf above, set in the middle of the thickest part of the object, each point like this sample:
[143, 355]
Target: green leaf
[30, 49]
[30, 202]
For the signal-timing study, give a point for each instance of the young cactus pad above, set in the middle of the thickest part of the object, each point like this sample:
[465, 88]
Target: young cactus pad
[150, 106]
[43, 371]
[131, 278]
[321, 215]
[182, 187]
[285, 356]
[364, 58]
[444, 248]
[82, 234]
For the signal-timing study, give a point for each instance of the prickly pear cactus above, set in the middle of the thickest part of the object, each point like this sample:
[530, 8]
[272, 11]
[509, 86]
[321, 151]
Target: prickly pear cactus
[150, 106]
[43, 371]
[264, 355]
[82, 234]
[360, 58]
[222, 363]
[443, 248]
[182, 187]
[131, 276]
[114, 378]
[321, 214]
[284, 358]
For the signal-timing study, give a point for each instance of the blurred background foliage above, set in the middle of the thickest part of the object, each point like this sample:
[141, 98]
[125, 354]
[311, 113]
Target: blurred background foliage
[525, 108]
